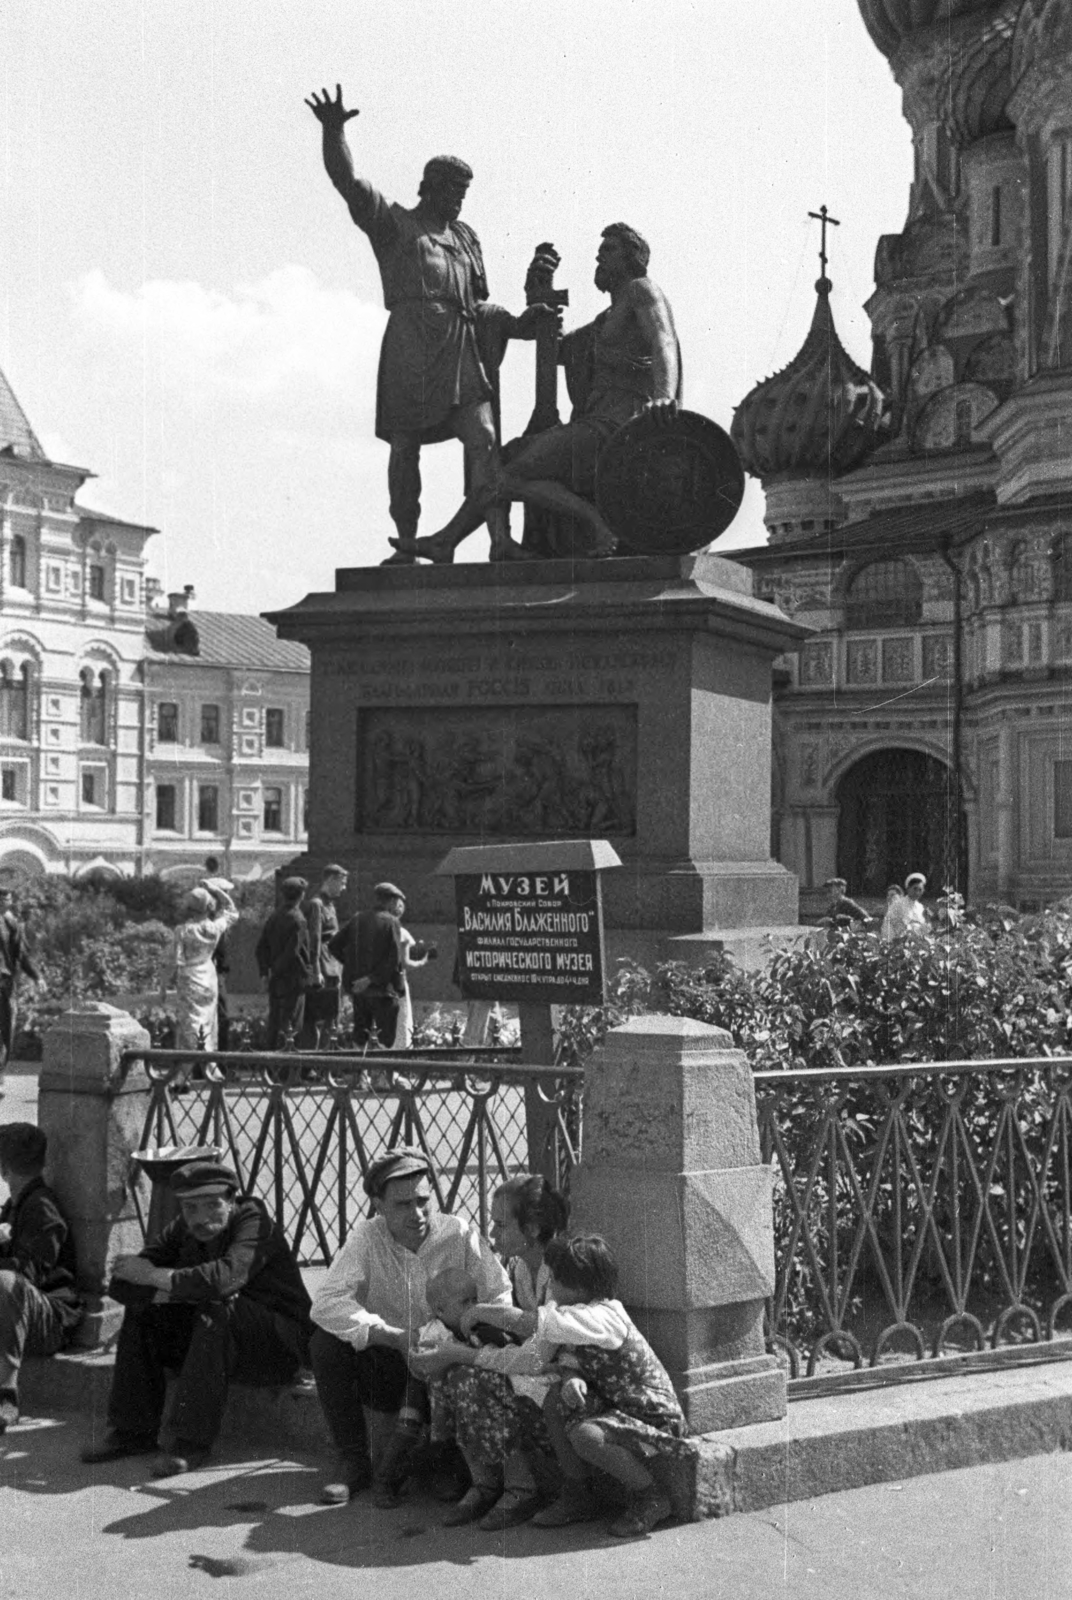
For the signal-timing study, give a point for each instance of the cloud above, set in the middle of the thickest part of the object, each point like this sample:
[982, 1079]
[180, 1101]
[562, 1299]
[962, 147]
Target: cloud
[261, 341]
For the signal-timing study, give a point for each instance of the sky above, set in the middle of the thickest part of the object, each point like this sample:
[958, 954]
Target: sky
[187, 310]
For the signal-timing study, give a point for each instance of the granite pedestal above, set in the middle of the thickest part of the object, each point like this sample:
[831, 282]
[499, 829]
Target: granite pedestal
[672, 1177]
[627, 699]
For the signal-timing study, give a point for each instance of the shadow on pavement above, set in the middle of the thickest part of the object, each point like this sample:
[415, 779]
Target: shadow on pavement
[270, 1504]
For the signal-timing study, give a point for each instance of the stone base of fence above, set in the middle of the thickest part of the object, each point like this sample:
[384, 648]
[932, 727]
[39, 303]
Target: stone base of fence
[672, 1175]
[821, 1447]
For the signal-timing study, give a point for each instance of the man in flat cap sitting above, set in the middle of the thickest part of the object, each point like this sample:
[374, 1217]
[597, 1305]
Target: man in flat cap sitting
[218, 1298]
[370, 1305]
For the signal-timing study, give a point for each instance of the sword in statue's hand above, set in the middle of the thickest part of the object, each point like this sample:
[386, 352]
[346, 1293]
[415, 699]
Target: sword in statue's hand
[540, 291]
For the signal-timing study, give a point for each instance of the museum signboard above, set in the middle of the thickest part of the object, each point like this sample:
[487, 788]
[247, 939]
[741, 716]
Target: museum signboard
[530, 921]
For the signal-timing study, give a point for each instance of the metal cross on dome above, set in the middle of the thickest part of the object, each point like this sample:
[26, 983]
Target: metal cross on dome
[823, 217]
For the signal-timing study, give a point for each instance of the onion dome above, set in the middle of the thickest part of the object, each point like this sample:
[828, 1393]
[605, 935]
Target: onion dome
[890, 22]
[821, 415]
[977, 79]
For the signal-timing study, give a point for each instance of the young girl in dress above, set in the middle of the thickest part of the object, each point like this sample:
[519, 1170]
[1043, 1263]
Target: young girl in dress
[613, 1407]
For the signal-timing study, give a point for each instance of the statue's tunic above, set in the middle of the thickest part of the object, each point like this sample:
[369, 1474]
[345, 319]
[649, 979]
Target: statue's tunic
[434, 287]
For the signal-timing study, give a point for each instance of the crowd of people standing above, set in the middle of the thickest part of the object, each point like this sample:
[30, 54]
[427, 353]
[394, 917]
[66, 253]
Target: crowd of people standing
[307, 962]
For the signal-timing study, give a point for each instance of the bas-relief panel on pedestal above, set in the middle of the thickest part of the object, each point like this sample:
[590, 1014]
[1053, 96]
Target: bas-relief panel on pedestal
[523, 771]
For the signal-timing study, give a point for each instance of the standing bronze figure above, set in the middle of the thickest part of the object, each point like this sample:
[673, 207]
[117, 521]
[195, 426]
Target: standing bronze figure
[444, 341]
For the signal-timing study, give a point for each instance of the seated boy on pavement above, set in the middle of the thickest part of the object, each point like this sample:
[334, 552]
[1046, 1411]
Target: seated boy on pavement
[218, 1298]
[40, 1308]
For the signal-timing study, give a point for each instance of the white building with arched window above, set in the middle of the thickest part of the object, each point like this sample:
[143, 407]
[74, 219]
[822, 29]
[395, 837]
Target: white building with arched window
[132, 739]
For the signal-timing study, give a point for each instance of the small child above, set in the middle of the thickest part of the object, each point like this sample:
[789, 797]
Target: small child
[614, 1405]
[449, 1294]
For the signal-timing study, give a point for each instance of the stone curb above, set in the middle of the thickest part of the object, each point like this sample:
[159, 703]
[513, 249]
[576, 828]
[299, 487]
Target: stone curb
[821, 1447]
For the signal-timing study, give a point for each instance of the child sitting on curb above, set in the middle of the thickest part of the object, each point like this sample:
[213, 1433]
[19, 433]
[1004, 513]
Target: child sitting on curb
[613, 1407]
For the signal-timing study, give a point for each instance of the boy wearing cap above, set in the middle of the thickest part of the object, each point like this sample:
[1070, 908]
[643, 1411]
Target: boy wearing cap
[40, 1307]
[282, 956]
[373, 965]
[370, 1306]
[325, 970]
[216, 1296]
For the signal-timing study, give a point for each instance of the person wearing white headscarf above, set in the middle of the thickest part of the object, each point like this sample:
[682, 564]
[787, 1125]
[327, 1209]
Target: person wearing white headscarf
[207, 914]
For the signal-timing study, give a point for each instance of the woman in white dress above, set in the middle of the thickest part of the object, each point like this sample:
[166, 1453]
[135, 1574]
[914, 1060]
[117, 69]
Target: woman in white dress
[410, 962]
[209, 912]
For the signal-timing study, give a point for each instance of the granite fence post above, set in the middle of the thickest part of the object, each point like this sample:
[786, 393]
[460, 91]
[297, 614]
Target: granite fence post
[672, 1177]
[93, 1111]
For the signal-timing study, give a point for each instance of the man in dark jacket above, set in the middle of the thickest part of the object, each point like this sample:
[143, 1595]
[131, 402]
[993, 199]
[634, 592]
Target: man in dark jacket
[218, 1297]
[323, 994]
[40, 1307]
[283, 959]
[14, 963]
[370, 949]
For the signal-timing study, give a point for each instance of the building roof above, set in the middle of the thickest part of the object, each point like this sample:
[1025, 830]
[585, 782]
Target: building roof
[923, 526]
[16, 435]
[227, 639]
[106, 520]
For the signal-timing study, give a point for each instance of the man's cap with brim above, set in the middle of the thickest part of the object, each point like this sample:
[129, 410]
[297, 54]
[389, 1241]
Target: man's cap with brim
[915, 877]
[293, 886]
[388, 891]
[402, 1162]
[204, 1178]
[334, 870]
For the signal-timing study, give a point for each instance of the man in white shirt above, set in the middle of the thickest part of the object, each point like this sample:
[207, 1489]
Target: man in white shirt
[370, 1305]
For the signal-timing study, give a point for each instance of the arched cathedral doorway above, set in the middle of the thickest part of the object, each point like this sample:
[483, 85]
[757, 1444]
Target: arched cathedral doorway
[900, 813]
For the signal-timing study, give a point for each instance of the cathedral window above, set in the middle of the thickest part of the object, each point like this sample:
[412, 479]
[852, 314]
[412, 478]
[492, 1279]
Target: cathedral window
[1062, 799]
[14, 701]
[17, 562]
[1062, 569]
[1058, 179]
[96, 582]
[885, 594]
[273, 811]
[94, 707]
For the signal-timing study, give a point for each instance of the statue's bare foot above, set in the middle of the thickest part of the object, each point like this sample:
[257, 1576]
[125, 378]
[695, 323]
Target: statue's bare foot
[434, 548]
[507, 550]
[404, 554]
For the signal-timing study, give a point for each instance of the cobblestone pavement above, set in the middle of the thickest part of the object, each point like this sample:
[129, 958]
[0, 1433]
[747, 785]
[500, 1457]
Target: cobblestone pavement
[999, 1532]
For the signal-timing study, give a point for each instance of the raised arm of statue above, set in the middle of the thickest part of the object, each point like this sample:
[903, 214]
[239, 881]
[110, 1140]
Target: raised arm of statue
[333, 116]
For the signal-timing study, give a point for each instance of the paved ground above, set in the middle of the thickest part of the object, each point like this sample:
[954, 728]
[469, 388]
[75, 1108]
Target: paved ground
[986, 1533]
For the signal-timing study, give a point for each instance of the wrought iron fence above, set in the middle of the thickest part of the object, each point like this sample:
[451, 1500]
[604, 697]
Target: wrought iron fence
[300, 1129]
[920, 1211]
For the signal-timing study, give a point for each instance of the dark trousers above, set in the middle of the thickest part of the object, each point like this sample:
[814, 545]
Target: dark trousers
[30, 1325]
[375, 1017]
[223, 1015]
[210, 1345]
[348, 1379]
[286, 1007]
[321, 1014]
[8, 1020]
